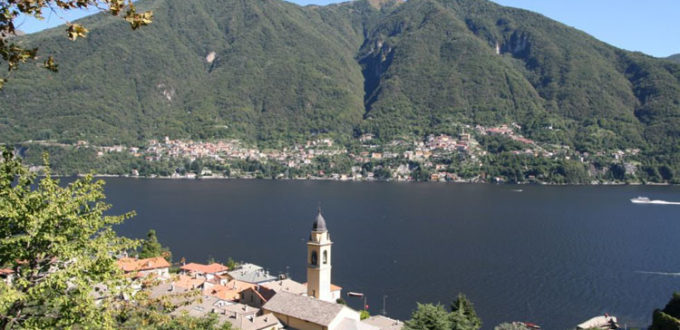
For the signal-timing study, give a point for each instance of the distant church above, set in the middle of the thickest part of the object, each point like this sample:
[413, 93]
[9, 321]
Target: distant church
[319, 263]
[317, 310]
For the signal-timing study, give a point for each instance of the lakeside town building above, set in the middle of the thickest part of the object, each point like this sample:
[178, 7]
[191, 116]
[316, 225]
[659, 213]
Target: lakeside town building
[6, 275]
[208, 271]
[250, 298]
[134, 267]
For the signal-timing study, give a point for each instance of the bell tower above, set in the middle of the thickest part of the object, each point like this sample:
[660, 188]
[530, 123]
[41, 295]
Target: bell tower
[319, 261]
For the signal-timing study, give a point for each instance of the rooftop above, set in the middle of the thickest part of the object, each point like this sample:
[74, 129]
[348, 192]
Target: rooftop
[6, 271]
[135, 265]
[205, 269]
[350, 324]
[239, 315]
[231, 291]
[319, 222]
[188, 282]
[252, 274]
[384, 322]
[304, 308]
[286, 285]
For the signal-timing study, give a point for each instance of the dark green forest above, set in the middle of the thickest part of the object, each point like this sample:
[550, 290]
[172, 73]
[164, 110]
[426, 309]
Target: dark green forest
[271, 72]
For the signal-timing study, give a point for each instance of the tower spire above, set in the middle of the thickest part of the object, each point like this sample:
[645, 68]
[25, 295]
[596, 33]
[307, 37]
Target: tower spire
[319, 260]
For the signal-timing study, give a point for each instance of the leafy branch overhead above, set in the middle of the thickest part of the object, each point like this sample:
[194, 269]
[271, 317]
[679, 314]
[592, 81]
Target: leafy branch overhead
[14, 53]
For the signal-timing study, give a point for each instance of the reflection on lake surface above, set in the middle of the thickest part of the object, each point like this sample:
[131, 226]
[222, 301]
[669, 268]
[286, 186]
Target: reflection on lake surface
[555, 256]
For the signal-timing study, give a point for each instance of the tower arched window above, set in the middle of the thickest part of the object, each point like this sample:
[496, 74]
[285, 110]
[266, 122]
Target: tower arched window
[325, 257]
[314, 259]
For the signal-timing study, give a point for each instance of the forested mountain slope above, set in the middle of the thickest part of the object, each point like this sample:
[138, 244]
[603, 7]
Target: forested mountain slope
[269, 70]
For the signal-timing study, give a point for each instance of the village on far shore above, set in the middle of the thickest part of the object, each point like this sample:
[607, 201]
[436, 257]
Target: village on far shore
[462, 157]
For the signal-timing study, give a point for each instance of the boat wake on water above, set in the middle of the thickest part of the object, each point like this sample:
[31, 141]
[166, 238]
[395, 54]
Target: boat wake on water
[658, 273]
[646, 200]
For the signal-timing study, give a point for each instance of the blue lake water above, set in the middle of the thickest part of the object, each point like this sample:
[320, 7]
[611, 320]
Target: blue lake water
[555, 256]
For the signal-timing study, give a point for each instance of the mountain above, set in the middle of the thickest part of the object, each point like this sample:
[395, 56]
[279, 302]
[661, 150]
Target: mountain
[268, 70]
[675, 58]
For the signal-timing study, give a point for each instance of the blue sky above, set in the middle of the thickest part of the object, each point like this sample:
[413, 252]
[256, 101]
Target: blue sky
[649, 26]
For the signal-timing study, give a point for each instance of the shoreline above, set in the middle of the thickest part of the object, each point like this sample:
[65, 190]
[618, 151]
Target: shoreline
[103, 176]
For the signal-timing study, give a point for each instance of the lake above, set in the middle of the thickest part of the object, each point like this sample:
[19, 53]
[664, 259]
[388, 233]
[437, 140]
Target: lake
[551, 255]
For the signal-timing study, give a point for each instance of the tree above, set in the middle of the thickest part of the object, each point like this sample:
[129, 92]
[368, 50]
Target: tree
[60, 245]
[463, 315]
[231, 264]
[152, 248]
[14, 53]
[429, 317]
[669, 317]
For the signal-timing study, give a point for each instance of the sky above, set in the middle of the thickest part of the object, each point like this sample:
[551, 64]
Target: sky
[649, 26]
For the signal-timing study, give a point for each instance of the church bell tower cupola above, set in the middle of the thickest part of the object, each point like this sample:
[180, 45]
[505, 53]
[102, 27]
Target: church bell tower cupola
[319, 260]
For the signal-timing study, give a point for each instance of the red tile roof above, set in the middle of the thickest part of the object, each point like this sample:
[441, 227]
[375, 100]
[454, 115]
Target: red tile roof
[6, 271]
[231, 291]
[187, 282]
[135, 265]
[205, 269]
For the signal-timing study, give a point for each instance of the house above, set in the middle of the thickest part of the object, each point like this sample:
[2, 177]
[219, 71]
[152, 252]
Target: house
[7, 275]
[384, 323]
[181, 285]
[259, 295]
[239, 315]
[256, 296]
[208, 271]
[308, 313]
[231, 291]
[134, 267]
[286, 285]
[251, 273]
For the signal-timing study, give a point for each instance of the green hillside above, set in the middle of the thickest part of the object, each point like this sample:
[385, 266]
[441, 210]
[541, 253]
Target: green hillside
[675, 57]
[269, 71]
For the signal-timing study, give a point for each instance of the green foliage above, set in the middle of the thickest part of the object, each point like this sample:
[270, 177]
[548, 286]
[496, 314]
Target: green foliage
[364, 314]
[463, 315]
[663, 321]
[152, 248]
[675, 58]
[60, 245]
[148, 317]
[272, 71]
[14, 53]
[669, 317]
[429, 317]
[231, 264]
